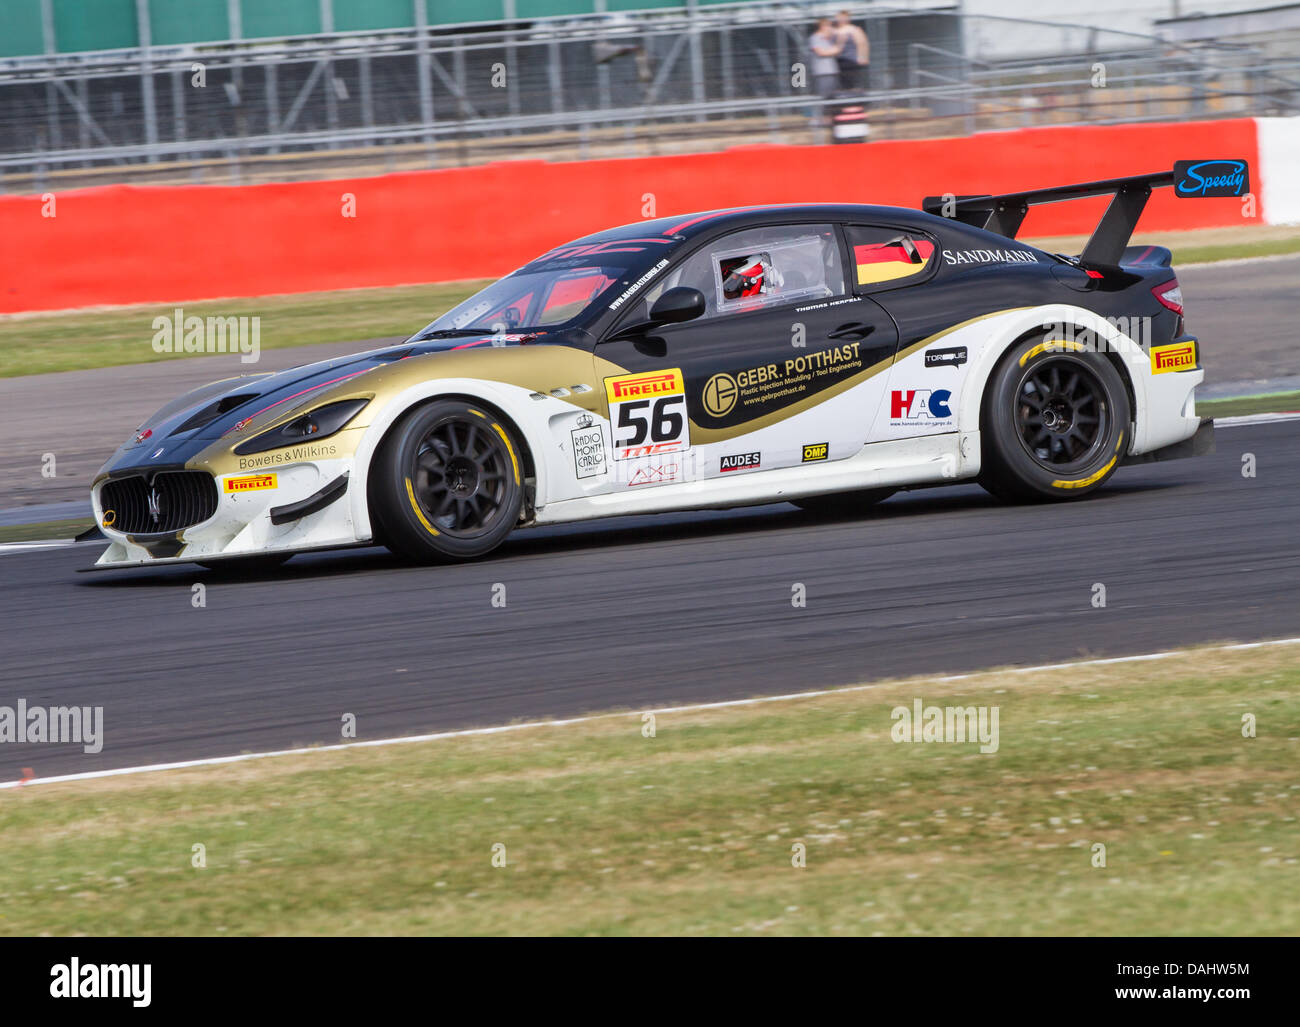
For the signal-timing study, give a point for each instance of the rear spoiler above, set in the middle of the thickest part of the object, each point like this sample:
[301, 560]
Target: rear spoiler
[1004, 214]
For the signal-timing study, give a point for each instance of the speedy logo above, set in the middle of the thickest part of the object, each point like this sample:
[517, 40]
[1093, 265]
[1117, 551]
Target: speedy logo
[251, 483]
[919, 404]
[644, 386]
[1179, 357]
[816, 451]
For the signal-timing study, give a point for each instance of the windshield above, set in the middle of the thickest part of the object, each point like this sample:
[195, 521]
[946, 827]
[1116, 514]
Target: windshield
[553, 290]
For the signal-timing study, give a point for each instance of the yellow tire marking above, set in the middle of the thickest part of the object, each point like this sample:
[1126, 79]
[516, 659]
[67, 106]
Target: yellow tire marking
[410, 492]
[509, 449]
[1078, 347]
[1092, 477]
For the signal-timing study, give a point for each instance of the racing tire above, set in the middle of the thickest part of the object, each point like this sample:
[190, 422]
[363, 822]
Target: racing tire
[844, 503]
[1055, 422]
[446, 484]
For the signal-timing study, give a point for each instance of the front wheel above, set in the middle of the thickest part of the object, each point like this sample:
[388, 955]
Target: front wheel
[446, 484]
[1055, 422]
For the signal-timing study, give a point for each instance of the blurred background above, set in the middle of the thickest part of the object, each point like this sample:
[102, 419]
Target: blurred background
[94, 92]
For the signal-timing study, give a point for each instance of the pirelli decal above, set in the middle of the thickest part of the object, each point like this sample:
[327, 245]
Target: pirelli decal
[648, 414]
[251, 483]
[1181, 356]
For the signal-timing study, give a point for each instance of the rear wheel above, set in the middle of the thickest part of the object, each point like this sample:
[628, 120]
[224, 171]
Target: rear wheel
[1055, 421]
[446, 484]
[844, 503]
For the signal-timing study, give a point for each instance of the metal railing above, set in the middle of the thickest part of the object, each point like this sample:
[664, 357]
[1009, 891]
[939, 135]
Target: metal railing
[657, 82]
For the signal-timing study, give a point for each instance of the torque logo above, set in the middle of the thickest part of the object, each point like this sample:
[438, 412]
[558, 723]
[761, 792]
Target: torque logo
[919, 405]
[1180, 357]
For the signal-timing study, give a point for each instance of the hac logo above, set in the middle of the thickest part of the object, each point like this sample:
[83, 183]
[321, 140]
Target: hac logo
[1211, 178]
[919, 404]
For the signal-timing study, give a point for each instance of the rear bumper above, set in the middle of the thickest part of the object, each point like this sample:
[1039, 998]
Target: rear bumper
[1201, 443]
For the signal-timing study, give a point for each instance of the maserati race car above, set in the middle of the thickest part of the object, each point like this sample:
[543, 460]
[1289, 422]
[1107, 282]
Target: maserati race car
[824, 355]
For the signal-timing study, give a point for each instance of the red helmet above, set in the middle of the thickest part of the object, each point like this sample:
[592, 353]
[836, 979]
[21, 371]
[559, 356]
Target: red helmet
[749, 276]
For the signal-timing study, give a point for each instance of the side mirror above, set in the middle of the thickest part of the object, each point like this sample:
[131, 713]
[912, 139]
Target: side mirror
[676, 305]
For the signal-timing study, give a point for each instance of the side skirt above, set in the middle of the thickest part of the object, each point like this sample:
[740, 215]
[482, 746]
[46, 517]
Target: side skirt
[930, 459]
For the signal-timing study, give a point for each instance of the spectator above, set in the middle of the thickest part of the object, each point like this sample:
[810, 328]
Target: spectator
[825, 49]
[855, 53]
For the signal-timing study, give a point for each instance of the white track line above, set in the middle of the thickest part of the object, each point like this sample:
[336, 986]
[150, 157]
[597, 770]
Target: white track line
[213, 761]
[1248, 419]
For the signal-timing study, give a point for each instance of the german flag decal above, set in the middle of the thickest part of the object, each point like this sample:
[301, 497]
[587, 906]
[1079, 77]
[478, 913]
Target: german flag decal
[885, 262]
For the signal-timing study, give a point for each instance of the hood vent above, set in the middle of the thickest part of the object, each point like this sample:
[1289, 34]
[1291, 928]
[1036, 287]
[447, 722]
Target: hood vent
[214, 410]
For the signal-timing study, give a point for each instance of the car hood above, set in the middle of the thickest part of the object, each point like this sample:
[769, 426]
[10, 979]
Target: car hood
[234, 410]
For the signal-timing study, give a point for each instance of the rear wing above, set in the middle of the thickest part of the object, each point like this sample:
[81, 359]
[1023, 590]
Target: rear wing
[1004, 214]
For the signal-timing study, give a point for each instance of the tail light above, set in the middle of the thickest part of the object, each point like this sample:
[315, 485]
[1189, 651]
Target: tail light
[1170, 295]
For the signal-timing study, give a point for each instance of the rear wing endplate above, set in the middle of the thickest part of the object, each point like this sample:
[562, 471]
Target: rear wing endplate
[1004, 214]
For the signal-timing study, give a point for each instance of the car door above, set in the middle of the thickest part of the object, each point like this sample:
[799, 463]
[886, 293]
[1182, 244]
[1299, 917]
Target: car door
[895, 266]
[766, 377]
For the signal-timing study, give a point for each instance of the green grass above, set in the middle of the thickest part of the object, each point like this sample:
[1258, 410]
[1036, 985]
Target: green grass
[104, 338]
[44, 530]
[692, 831]
[1193, 254]
[1278, 402]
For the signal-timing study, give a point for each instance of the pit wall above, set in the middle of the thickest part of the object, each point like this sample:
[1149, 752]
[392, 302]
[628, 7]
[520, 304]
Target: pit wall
[141, 244]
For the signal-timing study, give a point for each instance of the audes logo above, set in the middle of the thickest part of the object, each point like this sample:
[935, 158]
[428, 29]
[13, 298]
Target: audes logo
[720, 395]
[816, 451]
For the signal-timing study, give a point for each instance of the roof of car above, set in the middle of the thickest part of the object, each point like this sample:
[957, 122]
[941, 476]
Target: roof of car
[684, 226]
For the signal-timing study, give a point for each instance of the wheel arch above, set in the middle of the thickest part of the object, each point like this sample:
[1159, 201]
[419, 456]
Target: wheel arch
[498, 405]
[1121, 351]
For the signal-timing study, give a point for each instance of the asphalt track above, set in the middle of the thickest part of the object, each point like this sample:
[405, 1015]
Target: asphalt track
[643, 612]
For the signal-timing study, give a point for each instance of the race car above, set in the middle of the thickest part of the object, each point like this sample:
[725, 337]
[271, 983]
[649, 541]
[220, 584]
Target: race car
[825, 355]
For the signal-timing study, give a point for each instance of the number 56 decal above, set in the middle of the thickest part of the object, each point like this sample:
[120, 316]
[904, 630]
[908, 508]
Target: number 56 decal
[648, 413]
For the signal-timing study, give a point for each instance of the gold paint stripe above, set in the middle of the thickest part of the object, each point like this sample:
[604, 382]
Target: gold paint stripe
[509, 449]
[1052, 344]
[704, 436]
[410, 491]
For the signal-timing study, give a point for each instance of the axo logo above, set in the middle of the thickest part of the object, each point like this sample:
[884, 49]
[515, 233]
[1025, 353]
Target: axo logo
[907, 405]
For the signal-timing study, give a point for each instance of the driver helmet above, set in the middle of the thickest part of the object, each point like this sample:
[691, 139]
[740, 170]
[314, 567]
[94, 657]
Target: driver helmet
[754, 275]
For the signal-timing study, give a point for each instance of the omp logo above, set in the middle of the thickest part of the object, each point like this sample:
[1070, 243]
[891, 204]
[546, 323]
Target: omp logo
[102, 980]
[720, 395]
[919, 404]
[1179, 357]
[251, 483]
[644, 386]
[816, 451]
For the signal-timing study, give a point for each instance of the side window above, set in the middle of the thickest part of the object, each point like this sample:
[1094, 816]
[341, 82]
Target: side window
[888, 256]
[759, 268]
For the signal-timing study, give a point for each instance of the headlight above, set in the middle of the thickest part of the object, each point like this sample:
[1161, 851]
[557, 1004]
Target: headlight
[316, 424]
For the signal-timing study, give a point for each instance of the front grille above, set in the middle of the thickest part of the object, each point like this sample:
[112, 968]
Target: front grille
[171, 501]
